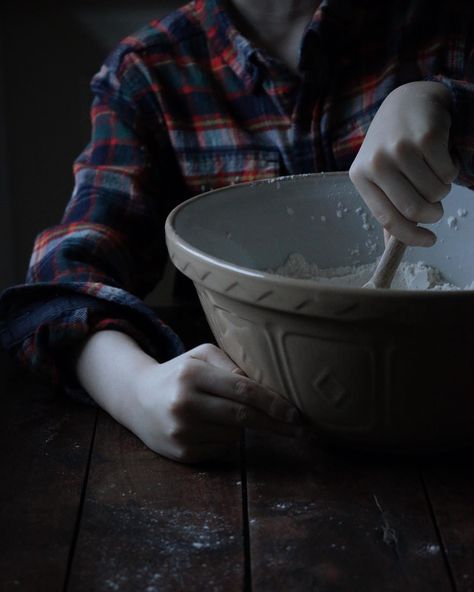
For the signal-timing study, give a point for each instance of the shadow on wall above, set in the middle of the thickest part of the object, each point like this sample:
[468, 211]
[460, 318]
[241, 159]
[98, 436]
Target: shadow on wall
[51, 50]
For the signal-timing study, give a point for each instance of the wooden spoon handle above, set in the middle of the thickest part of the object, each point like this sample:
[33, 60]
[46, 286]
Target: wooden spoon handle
[388, 264]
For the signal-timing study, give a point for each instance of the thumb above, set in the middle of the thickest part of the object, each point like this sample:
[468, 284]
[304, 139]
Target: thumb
[216, 357]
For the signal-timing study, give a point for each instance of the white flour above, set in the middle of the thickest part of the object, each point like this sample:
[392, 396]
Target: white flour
[410, 276]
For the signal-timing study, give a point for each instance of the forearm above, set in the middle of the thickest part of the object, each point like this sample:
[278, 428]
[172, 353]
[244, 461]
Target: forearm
[105, 366]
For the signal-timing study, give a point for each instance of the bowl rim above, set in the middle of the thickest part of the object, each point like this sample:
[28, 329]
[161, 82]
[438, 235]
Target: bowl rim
[172, 236]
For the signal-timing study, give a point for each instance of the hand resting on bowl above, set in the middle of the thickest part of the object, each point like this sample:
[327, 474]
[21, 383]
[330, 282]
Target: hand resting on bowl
[191, 408]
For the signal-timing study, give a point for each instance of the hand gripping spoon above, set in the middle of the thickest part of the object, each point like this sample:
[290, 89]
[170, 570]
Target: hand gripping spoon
[388, 264]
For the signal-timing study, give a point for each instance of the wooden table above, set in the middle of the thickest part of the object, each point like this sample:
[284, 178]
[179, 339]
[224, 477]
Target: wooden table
[85, 506]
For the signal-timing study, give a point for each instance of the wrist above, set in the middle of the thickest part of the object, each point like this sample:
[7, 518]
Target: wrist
[107, 364]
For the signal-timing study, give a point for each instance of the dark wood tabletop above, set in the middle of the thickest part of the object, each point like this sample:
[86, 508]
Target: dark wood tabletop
[85, 506]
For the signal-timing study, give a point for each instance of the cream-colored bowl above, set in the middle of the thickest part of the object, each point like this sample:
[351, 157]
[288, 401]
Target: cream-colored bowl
[372, 369]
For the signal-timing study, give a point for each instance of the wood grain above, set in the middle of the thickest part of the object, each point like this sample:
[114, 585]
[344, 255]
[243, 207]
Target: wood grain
[450, 488]
[388, 264]
[298, 518]
[44, 449]
[325, 522]
[152, 524]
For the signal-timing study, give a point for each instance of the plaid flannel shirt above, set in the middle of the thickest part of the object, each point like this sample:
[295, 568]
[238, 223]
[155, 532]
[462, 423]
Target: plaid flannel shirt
[188, 104]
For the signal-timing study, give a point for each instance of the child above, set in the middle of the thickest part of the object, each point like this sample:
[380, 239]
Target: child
[222, 92]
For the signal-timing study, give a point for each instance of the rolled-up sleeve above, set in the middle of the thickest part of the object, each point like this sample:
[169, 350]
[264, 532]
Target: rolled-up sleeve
[92, 270]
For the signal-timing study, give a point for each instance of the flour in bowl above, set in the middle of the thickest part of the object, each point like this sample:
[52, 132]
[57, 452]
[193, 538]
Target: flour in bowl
[410, 276]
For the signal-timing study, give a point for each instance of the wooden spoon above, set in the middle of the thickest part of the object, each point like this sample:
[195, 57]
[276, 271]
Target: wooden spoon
[388, 264]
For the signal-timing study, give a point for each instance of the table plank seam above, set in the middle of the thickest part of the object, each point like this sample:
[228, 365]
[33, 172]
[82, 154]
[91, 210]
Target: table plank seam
[439, 536]
[80, 508]
[245, 518]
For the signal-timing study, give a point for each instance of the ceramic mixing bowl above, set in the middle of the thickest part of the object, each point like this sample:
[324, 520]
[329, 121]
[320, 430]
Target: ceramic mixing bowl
[388, 370]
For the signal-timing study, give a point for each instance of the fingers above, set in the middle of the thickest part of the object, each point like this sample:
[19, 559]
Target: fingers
[220, 433]
[421, 176]
[406, 199]
[212, 401]
[198, 453]
[389, 216]
[433, 144]
[404, 167]
[199, 441]
[440, 160]
[225, 412]
[245, 391]
[203, 432]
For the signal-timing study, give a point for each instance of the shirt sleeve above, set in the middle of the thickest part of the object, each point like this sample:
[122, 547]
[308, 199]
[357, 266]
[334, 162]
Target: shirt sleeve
[93, 269]
[462, 91]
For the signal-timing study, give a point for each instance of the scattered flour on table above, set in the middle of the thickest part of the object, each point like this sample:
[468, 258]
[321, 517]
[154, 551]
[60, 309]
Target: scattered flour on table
[410, 276]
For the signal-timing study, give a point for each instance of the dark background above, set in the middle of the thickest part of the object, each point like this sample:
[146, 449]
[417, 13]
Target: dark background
[48, 53]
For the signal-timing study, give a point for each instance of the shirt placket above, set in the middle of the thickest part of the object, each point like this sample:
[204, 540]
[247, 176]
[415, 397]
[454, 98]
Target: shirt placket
[308, 153]
[279, 94]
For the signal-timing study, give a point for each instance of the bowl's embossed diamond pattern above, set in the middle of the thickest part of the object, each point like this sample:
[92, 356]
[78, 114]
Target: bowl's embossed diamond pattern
[340, 355]
[327, 384]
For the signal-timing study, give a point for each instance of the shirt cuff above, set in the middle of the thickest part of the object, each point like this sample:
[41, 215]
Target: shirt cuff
[42, 333]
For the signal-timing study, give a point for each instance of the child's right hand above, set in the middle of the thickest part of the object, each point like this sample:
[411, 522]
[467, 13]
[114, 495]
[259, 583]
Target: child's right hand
[191, 408]
[404, 167]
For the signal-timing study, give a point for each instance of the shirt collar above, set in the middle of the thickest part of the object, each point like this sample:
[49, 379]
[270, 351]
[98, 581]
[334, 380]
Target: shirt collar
[334, 24]
[333, 28]
[226, 43]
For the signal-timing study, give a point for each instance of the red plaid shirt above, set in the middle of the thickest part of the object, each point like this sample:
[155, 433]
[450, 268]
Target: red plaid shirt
[188, 104]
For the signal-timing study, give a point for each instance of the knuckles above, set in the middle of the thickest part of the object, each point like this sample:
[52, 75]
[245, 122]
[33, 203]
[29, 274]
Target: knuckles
[385, 219]
[186, 375]
[180, 405]
[243, 389]
[204, 350]
[427, 214]
[358, 172]
[354, 172]
[243, 416]
[427, 139]
[181, 401]
[377, 160]
[366, 166]
[275, 409]
[184, 454]
[413, 212]
[177, 434]
[401, 149]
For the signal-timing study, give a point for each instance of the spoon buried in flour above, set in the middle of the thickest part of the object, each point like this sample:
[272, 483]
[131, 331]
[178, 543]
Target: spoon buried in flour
[388, 264]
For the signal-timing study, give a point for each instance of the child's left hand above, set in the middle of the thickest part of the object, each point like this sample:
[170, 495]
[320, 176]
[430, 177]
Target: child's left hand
[404, 167]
